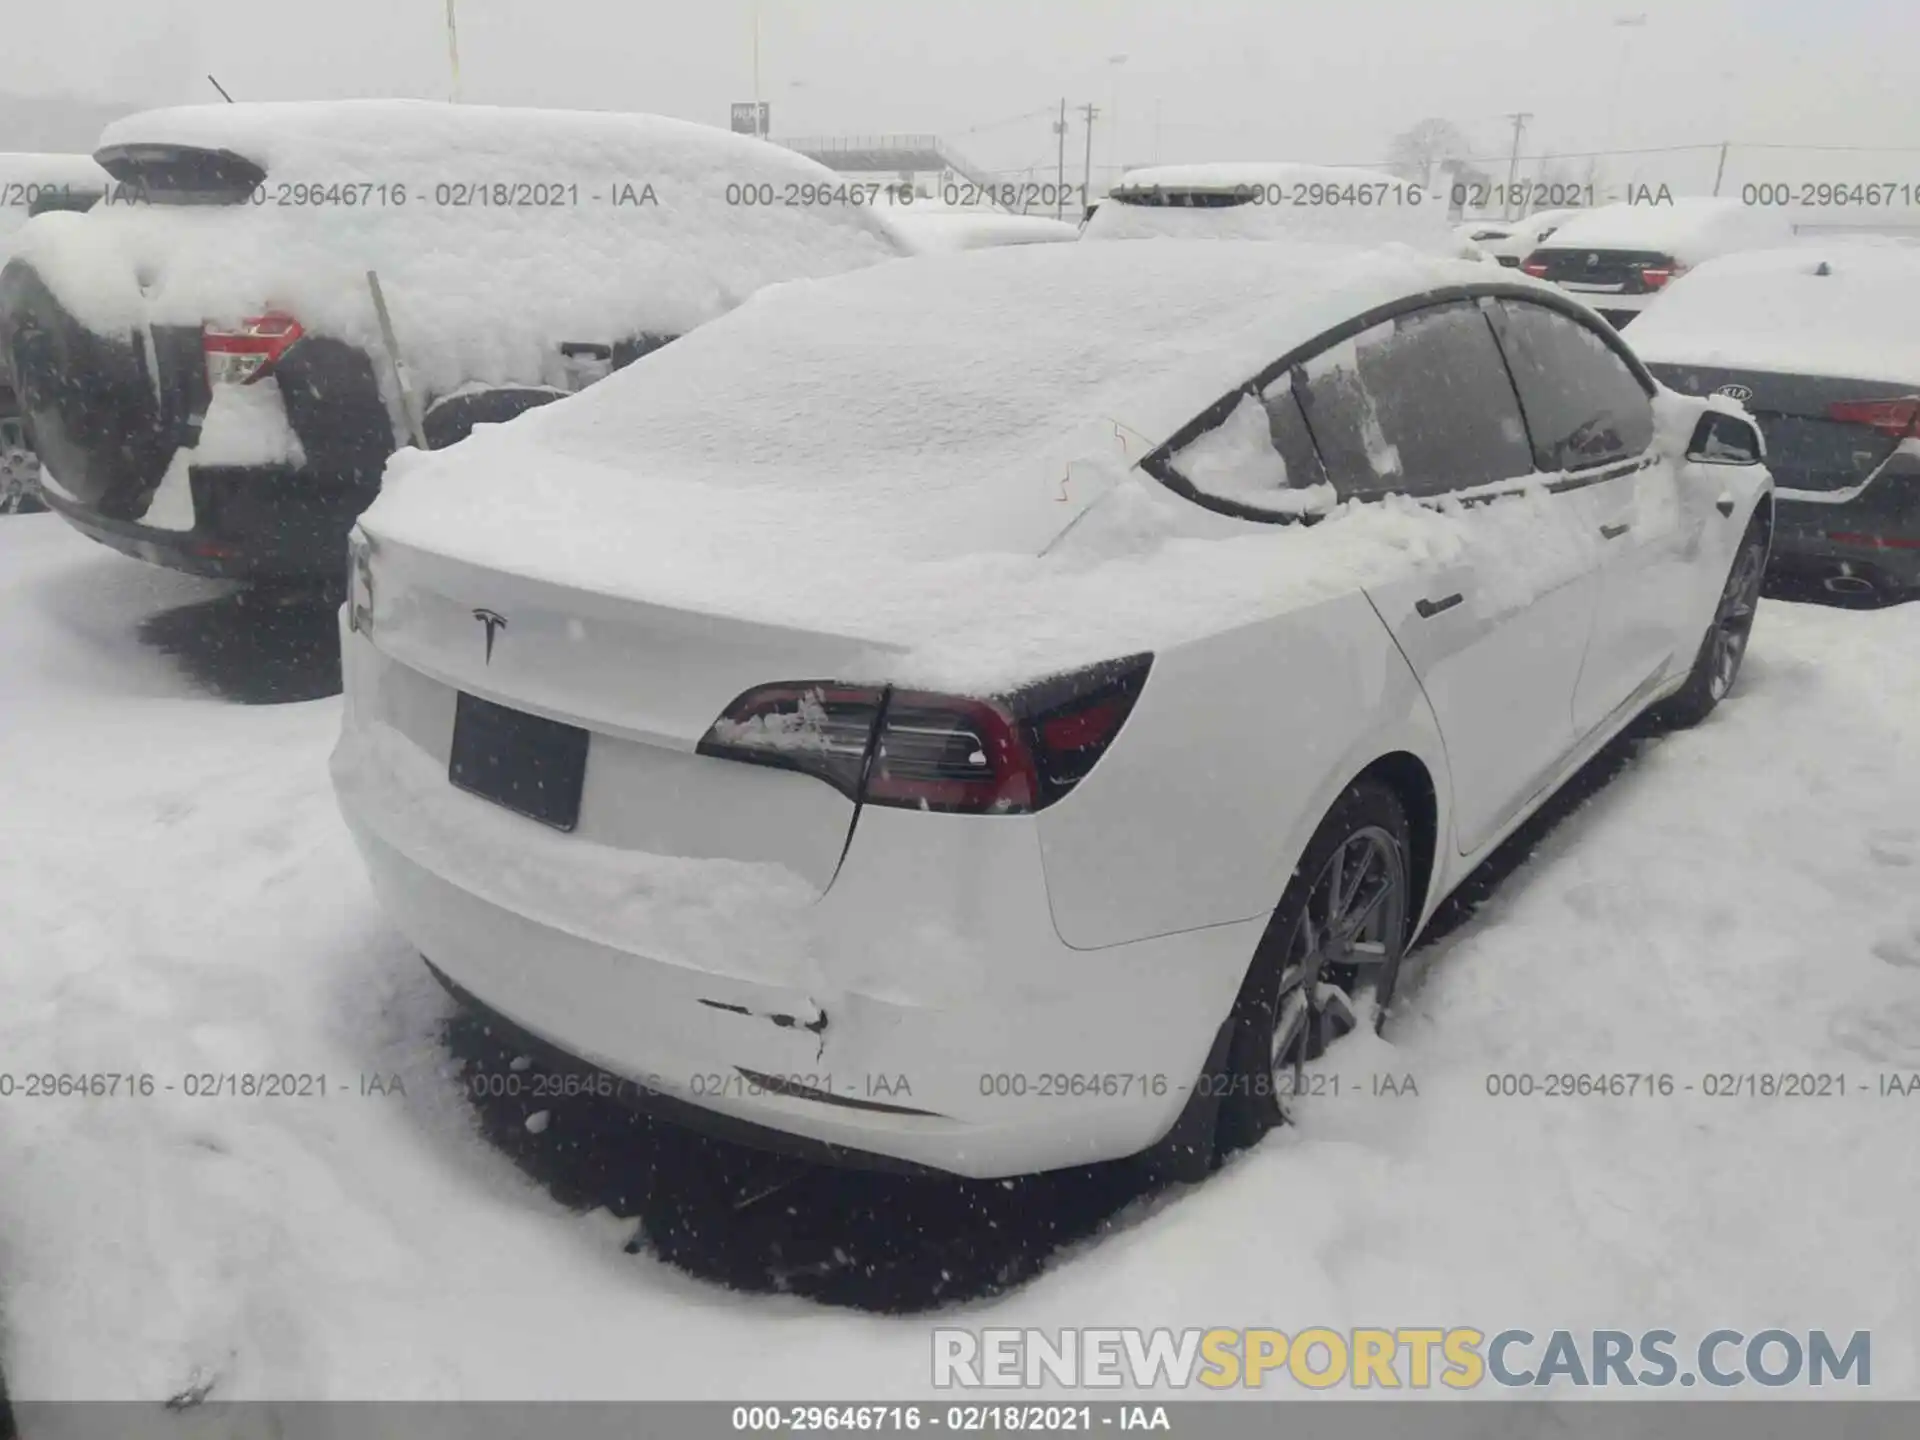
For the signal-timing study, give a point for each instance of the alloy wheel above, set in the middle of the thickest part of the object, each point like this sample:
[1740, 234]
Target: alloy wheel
[1353, 924]
[1733, 619]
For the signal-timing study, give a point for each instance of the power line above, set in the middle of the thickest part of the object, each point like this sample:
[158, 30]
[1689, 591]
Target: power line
[1010, 120]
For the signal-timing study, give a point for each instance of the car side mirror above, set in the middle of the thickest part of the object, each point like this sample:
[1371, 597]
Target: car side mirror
[1723, 439]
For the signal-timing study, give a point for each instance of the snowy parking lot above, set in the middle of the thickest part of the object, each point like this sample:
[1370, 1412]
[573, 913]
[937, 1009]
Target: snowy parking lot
[1707, 911]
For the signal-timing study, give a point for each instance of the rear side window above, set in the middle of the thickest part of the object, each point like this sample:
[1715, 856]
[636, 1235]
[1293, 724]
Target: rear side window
[1419, 404]
[1259, 457]
[1584, 407]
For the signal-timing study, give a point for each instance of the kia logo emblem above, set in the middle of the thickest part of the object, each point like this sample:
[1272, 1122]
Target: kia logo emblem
[1741, 393]
[494, 624]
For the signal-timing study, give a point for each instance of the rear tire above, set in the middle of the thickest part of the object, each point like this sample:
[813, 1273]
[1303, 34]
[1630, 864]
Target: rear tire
[1342, 922]
[1716, 667]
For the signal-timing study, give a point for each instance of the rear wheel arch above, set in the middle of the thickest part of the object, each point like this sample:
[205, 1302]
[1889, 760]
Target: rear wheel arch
[1407, 775]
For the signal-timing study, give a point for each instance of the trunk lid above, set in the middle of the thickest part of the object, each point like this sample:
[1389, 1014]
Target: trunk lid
[1807, 447]
[652, 672]
[1615, 272]
[646, 681]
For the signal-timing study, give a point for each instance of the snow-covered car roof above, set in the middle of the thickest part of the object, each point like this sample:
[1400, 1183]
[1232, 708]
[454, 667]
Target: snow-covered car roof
[952, 405]
[1690, 228]
[934, 231]
[24, 174]
[1283, 201]
[494, 231]
[1840, 307]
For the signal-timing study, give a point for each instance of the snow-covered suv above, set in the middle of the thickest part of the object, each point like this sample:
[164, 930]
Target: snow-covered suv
[201, 359]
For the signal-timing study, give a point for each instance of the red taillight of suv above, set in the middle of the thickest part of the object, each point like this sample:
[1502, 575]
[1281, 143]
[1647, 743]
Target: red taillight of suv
[1535, 268]
[243, 354]
[919, 750]
[1894, 418]
[1655, 277]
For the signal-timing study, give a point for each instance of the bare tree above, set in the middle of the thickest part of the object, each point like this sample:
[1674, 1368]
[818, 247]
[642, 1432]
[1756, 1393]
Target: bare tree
[1416, 153]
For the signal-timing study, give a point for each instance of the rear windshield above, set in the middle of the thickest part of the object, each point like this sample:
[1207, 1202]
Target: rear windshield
[179, 175]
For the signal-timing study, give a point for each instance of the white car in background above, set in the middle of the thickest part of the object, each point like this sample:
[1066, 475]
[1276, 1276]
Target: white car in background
[1022, 736]
[1511, 241]
[1618, 258]
[1275, 201]
[932, 230]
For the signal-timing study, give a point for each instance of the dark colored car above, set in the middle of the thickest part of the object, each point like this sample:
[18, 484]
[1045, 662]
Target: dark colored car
[201, 358]
[1822, 345]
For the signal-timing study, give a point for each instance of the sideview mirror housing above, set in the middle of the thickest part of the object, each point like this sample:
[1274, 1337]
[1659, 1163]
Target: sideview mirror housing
[1723, 439]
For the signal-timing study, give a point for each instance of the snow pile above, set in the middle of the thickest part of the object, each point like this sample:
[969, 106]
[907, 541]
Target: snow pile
[1315, 203]
[1836, 308]
[518, 229]
[933, 231]
[1690, 228]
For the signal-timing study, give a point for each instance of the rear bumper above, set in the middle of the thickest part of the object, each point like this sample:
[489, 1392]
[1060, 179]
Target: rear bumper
[1872, 533]
[252, 523]
[1615, 308]
[922, 1009]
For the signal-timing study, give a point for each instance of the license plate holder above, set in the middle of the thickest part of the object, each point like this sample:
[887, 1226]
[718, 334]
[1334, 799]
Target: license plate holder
[525, 763]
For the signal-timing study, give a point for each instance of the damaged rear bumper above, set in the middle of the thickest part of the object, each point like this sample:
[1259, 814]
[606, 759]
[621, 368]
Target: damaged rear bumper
[918, 1012]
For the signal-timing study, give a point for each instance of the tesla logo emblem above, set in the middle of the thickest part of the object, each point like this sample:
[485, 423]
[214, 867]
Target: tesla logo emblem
[1735, 392]
[493, 623]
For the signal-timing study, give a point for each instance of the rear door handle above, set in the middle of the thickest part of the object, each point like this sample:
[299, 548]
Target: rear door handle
[1613, 532]
[1430, 608]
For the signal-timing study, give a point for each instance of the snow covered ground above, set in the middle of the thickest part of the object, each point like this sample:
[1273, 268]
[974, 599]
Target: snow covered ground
[177, 897]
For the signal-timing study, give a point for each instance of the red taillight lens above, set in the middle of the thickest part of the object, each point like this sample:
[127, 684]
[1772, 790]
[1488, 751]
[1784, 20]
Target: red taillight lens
[1895, 418]
[1655, 277]
[816, 727]
[1535, 268]
[244, 353]
[923, 751]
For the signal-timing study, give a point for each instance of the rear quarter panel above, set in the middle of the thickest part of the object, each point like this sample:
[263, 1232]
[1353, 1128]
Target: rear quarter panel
[1239, 744]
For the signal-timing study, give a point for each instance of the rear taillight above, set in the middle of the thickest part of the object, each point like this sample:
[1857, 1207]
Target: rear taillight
[1002, 755]
[1535, 268]
[1655, 277]
[242, 354]
[1894, 418]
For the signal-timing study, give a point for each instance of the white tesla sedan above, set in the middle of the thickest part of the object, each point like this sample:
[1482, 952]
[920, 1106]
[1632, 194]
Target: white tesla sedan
[1003, 711]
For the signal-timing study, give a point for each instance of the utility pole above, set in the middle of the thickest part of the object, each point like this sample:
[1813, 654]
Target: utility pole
[1519, 119]
[1060, 169]
[1086, 184]
[453, 52]
[1720, 174]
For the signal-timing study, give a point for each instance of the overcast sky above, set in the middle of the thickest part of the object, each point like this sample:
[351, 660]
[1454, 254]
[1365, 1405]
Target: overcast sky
[1330, 80]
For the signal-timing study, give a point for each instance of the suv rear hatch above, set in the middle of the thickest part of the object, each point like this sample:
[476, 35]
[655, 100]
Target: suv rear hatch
[108, 410]
[1822, 433]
